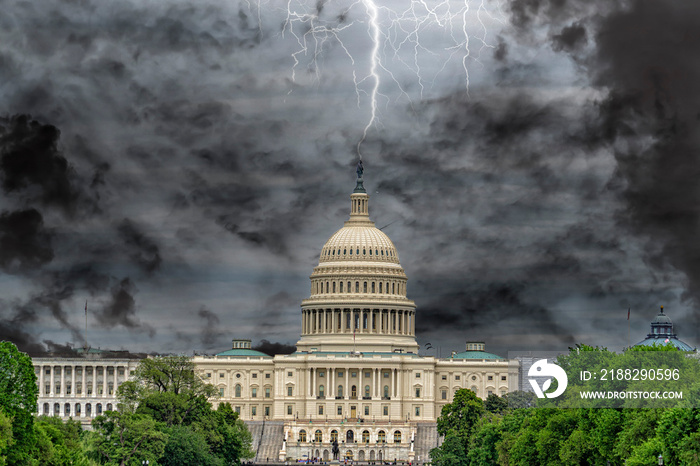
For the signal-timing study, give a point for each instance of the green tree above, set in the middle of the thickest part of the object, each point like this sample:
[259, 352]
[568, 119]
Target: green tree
[59, 442]
[18, 395]
[461, 415]
[172, 374]
[186, 446]
[5, 437]
[120, 438]
[495, 403]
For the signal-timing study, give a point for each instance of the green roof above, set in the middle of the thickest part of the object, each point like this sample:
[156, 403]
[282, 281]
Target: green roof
[475, 355]
[244, 353]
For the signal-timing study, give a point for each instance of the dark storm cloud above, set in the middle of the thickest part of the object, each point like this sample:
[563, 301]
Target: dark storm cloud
[25, 243]
[570, 38]
[211, 331]
[141, 249]
[271, 348]
[644, 57]
[32, 164]
[121, 309]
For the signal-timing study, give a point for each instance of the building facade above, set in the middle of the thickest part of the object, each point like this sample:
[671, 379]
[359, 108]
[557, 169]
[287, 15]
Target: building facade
[356, 380]
[81, 387]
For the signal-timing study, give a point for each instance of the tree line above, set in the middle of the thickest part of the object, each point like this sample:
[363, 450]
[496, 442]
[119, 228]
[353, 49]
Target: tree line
[520, 429]
[163, 416]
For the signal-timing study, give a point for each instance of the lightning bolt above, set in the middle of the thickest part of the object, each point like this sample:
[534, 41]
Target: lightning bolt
[399, 42]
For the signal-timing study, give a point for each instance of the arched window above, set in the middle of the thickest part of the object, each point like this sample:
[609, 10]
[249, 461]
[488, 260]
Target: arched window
[397, 436]
[238, 391]
[365, 436]
[365, 288]
[357, 287]
[364, 252]
[333, 287]
[393, 288]
[340, 391]
[77, 409]
[57, 409]
[350, 437]
[386, 391]
[66, 409]
[326, 287]
[318, 436]
[321, 391]
[366, 391]
[341, 287]
[109, 406]
[88, 409]
[373, 288]
[353, 391]
[46, 409]
[99, 408]
[381, 437]
[370, 252]
[380, 287]
[334, 436]
[302, 435]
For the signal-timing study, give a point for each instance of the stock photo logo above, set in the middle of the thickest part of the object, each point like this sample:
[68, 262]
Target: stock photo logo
[542, 368]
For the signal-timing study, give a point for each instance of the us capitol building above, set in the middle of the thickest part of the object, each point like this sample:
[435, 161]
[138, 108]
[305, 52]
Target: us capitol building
[356, 379]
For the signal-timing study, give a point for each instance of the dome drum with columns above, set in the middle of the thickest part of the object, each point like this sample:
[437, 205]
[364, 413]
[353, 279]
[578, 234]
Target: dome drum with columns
[358, 291]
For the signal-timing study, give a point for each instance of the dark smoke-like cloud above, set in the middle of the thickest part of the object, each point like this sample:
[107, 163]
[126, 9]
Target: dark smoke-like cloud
[272, 349]
[141, 249]
[211, 331]
[25, 244]
[121, 309]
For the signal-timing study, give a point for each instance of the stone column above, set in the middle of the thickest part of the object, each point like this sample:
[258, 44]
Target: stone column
[72, 381]
[331, 381]
[114, 386]
[94, 382]
[347, 383]
[83, 391]
[361, 388]
[392, 389]
[41, 382]
[51, 391]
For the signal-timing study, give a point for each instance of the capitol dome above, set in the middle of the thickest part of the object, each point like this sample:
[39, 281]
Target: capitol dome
[358, 291]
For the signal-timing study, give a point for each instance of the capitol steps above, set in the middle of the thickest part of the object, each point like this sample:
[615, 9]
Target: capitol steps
[426, 439]
[268, 437]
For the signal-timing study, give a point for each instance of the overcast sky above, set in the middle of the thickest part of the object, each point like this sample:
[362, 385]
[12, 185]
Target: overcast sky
[179, 165]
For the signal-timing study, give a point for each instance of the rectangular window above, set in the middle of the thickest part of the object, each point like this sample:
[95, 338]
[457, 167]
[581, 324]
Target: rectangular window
[221, 375]
[444, 377]
[366, 410]
[443, 394]
[253, 410]
[320, 410]
[290, 391]
[418, 375]
[456, 377]
[267, 410]
[267, 376]
[267, 392]
[208, 375]
[255, 376]
[368, 374]
[321, 374]
[503, 377]
[289, 410]
[386, 375]
[417, 392]
[289, 374]
[254, 392]
[221, 392]
[490, 377]
[238, 410]
[340, 410]
[340, 373]
[353, 374]
[417, 411]
[385, 410]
